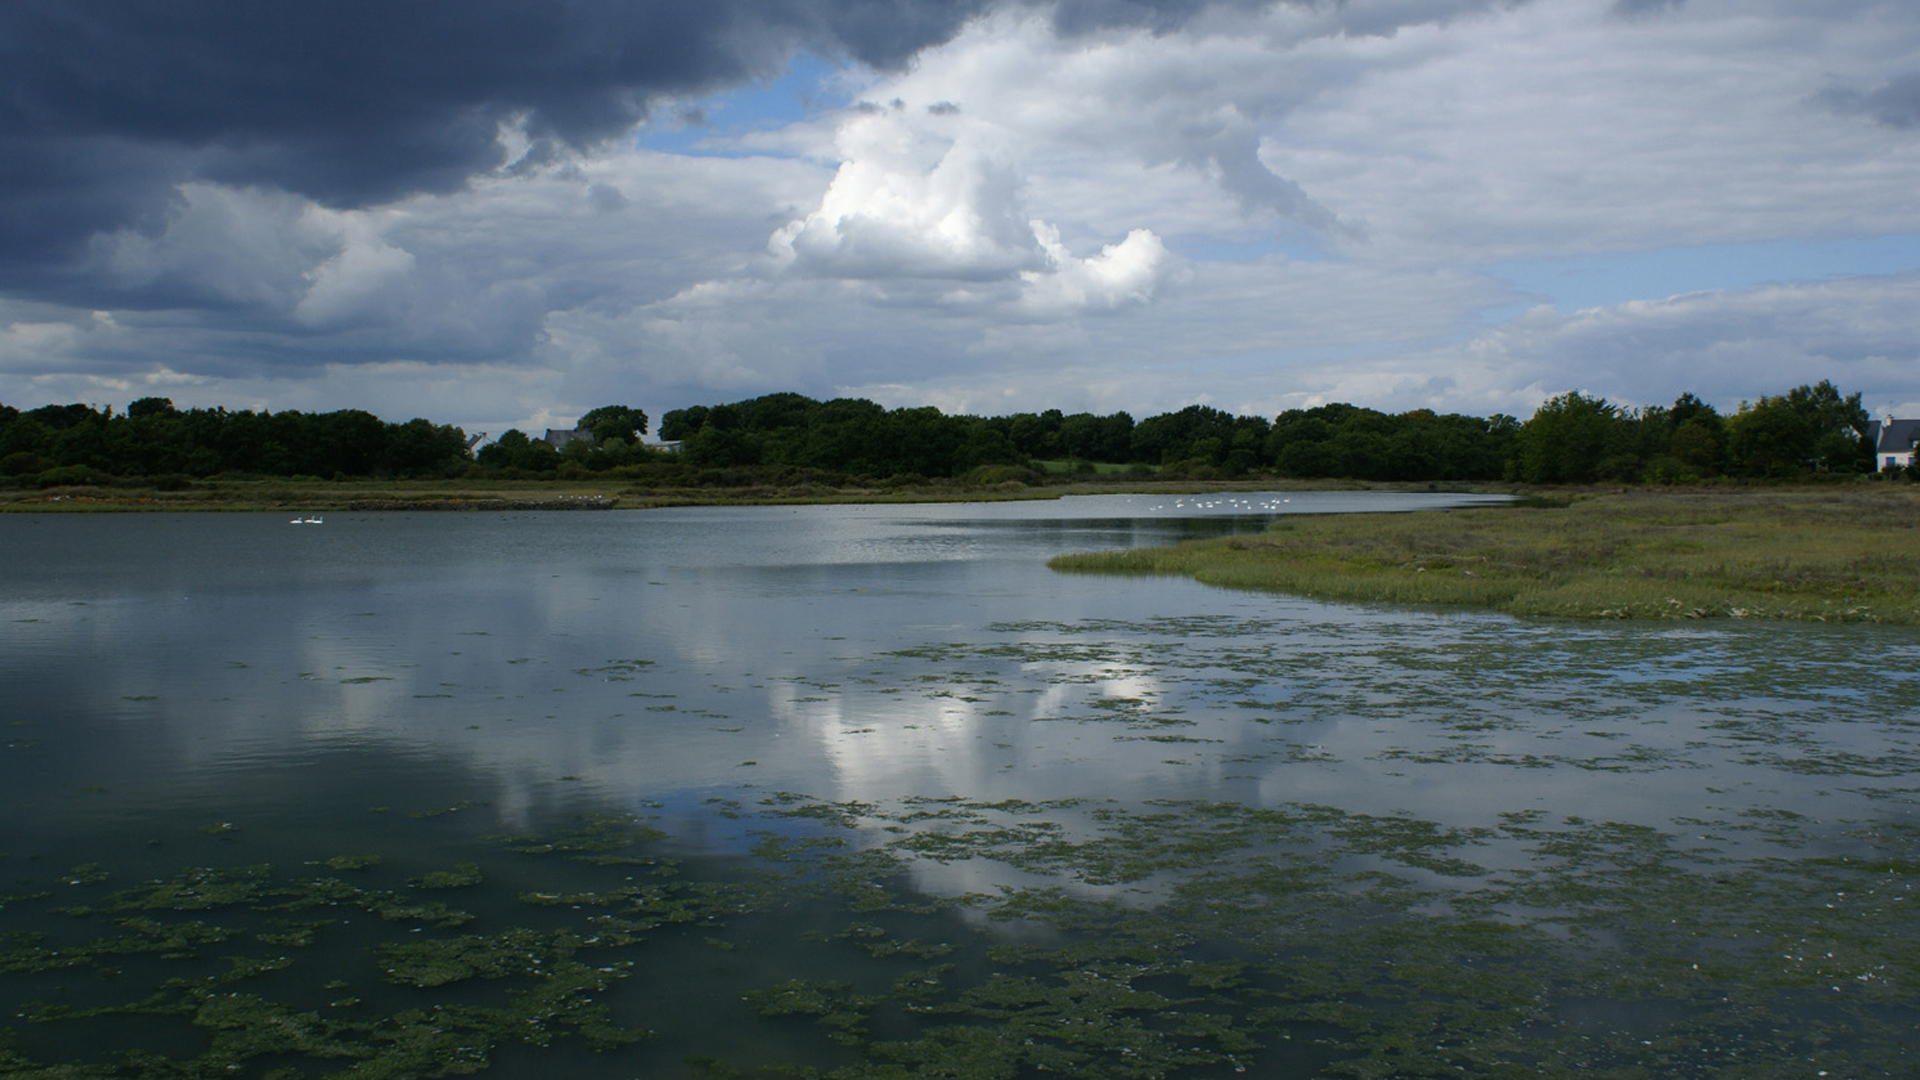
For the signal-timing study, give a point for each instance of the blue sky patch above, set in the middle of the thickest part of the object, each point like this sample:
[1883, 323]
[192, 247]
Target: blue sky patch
[701, 126]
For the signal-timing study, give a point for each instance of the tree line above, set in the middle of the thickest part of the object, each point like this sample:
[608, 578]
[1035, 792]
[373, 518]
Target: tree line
[1573, 438]
[78, 444]
[1578, 439]
[1199, 441]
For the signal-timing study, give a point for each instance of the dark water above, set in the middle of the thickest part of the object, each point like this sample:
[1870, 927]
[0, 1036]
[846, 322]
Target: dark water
[869, 788]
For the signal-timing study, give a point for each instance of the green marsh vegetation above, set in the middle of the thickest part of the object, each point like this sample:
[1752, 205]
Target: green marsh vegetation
[1826, 553]
[1165, 938]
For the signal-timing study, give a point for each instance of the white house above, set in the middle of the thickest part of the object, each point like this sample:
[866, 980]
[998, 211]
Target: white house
[1893, 442]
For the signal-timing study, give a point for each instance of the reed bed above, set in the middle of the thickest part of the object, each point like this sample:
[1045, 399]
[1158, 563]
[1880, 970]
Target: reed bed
[1827, 554]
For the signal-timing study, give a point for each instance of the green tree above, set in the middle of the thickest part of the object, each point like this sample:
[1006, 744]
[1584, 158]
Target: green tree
[1806, 429]
[152, 407]
[1170, 437]
[678, 424]
[1767, 439]
[1097, 438]
[515, 450]
[615, 422]
[1564, 441]
[420, 447]
[1699, 435]
[714, 446]
[982, 444]
[1037, 435]
[1696, 445]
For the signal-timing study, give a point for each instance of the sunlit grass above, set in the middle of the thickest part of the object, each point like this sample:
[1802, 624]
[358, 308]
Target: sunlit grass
[1824, 554]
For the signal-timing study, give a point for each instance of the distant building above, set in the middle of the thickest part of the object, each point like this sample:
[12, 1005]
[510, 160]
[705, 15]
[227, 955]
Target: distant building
[1893, 442]
[558, 438]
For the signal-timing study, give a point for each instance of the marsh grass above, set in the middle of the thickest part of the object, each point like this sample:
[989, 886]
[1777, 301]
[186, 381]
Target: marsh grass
[1828, 554]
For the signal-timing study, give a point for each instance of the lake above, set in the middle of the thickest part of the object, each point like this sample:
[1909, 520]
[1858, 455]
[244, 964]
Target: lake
[868, 791]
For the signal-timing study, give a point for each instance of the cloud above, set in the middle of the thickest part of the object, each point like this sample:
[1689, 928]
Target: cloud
[1075, 336]
[1128, 272]
[1194, 103]
[904, 205]
[1725, 346]
[366, 281]
[1557, 127]
[105, 107]
[1633, 8]
[222, 247]
[1085, 204]
[929, 196]
[937, 165]
[1895, 103]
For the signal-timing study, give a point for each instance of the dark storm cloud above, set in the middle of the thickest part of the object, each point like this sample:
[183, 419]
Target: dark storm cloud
[1895, 104]
[104, 106]
[1631, 8]
[1085, 16]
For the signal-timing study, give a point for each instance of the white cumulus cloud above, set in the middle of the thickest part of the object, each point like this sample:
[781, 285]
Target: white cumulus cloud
[1123, 273]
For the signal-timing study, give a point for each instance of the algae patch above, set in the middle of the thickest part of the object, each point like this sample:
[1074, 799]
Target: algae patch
[1159, 939]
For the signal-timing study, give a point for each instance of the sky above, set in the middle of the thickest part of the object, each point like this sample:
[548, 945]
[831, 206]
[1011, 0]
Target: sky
[498, 213]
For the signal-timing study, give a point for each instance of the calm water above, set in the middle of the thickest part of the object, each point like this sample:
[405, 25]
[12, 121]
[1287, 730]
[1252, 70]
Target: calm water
[904, 796]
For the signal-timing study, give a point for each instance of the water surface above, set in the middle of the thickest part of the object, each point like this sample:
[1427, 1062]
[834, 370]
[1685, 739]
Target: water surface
[711, 791]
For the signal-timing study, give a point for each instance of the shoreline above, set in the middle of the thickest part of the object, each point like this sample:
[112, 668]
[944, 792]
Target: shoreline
[1830, 554]
[260, 496]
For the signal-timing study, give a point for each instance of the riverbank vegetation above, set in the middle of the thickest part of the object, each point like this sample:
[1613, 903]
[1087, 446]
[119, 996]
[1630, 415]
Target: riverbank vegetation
[1834, 554]
[794, 445]
[592, 492]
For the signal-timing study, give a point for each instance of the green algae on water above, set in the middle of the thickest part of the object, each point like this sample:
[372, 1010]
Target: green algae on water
[1166, 938]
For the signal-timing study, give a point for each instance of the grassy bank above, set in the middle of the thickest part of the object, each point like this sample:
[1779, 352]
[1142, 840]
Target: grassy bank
[309, 494]
[1826, 554]
[301, 494]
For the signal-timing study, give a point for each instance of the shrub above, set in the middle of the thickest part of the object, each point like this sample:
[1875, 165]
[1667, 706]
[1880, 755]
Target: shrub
[1667, 469]
[996, 475]
[66, 475]
[22, 463]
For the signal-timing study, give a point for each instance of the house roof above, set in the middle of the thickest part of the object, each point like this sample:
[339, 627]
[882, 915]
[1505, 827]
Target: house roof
[1893, 436]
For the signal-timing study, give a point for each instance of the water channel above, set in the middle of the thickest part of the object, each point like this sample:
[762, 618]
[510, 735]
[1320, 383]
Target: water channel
[868, 791]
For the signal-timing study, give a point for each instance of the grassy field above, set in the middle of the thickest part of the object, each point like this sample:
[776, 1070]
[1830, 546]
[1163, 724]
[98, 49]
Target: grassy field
[1831, 554]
